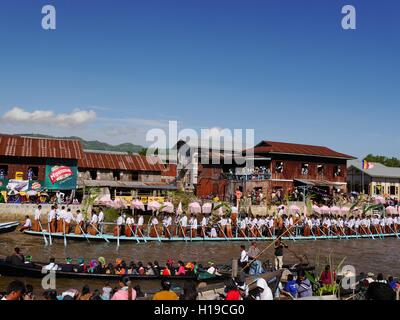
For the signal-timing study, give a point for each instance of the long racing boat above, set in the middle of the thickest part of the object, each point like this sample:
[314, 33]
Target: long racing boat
[111, 238]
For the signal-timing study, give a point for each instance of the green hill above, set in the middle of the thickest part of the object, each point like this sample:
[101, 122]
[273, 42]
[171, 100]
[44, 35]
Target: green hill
[96, 145]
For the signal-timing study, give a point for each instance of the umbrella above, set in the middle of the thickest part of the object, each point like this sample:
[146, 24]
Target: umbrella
[316, 208]
[119, 203]
[207, 207]
[167, 207]
[335, 210]
[194, 207]
[325, 209]
[105, 200]
[137, 204]
[345, 210]
[153, 206]
[295, 209]
[379, 200]
[391, 210]
[179, 210]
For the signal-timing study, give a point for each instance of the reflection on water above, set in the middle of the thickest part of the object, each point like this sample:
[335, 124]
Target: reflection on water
[365, 254]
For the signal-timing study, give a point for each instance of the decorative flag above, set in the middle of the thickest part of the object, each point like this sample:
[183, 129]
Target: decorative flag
[367, 165]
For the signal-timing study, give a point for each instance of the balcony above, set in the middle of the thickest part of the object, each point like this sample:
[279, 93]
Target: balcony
[255, 174]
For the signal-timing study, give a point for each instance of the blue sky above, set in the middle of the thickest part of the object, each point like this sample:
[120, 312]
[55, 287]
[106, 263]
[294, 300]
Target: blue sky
[285, 68]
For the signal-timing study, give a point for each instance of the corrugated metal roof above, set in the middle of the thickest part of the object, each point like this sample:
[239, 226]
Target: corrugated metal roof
[379, 170]
[93, 160]
[18, 146]
[298, 149]
[126, 184]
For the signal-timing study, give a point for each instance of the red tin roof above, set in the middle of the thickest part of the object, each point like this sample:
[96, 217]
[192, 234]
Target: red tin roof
[94, 160]
[298, 149]
[19, 146]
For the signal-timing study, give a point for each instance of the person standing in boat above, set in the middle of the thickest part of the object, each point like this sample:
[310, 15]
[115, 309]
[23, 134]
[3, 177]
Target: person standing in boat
[256, 265]
[153, 227]
[101, 220]
[60, 213]
[68, 217]
[92, 229]
[79, 222]
[129, 225]
[183, 225]
[203, 224]
[242, 228]
[118, 229]
[167, 223]
[278, 253]
[52, 219]
[271, 226]
[222, 226]
[36, 219]
[193, 226]
[140, 223]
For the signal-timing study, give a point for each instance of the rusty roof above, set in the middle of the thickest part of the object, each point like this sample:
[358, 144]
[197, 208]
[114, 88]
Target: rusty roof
[19, 146]
[96, 160]
[298, 149]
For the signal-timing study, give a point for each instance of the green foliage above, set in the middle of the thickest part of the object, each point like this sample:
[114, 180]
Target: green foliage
[328, 289]
[389, 162]
[96, 145]
[1, 198]
[181, 196]
[110, 214]
[90, 196]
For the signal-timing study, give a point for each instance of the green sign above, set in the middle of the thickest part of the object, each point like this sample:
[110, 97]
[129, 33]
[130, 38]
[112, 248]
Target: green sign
[61, 176]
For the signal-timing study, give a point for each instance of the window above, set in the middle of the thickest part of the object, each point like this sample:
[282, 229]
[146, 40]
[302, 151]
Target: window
[304, 169]
[116, 175]
[279, 167]
[378, 189]
[337, 171]
[320, 169]
[135, 176]
[3, 171]
[392, 190]
[93, 174]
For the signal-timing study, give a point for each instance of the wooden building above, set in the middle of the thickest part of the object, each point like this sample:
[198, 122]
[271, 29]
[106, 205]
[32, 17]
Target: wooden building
[275, 168]
[50, 161]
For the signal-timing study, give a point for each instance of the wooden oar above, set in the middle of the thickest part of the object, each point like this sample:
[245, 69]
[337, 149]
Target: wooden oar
[144, 238]
[344, 233]
[51, 241]
[183, 231]
[101, 233]
[158, 236]
[223, 232]
[65, 237]
[137, 240]
[362, 227]
[44, 237]
[377, 232]
[315, 238]
[83, 232]
[266, 248]
[394, 232]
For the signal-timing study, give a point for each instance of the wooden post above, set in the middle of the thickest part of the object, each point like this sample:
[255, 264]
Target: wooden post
[234, 268]
[398, 294]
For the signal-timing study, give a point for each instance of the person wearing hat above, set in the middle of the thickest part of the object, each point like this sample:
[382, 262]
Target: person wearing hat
[212, 269]
[253, 253]
[370, 277]
[81, 265]
[263, 291]
[166, 293]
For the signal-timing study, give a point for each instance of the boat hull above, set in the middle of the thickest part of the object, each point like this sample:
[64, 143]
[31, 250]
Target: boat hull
[109, 237]
[8, 226]
[7, 269]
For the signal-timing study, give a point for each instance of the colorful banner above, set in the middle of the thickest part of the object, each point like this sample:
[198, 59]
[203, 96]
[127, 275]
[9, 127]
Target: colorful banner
[60, 176]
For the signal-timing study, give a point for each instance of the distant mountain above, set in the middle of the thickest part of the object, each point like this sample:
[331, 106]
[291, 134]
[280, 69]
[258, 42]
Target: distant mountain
[95, 145]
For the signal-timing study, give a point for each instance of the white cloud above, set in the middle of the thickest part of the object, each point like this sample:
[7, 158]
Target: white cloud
[76, 118]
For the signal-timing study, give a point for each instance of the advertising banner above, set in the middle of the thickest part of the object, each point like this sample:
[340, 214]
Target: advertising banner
[61, 176]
